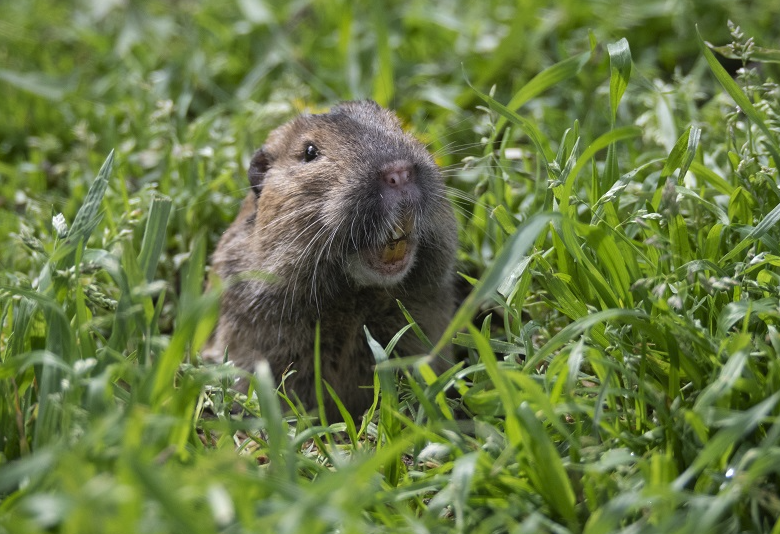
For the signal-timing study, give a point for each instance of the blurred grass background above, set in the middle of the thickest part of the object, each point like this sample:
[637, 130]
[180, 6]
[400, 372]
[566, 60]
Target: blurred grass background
[642, 298]
[184, 91]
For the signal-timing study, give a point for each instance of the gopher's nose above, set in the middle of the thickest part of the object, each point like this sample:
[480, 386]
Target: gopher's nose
[397, 174]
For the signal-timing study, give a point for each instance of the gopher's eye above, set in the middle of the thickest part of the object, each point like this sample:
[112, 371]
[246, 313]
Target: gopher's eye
[310, 153]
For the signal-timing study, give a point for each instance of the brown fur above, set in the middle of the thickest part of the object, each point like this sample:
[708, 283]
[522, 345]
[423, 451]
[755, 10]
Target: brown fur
[292, 256]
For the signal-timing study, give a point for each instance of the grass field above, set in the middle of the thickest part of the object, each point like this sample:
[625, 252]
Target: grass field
[614, 167]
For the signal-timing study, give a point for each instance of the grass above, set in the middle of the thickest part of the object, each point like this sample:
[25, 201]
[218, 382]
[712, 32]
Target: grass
[616, 185]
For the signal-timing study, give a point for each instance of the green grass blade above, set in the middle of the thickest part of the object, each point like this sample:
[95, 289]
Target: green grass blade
[716, 210]
[547, 470]
[735, 312]
[516, 247]
[527, 126]
[612, 262]
[526, 434]
[509, 397]
[87, 216]
[726, 437]
[620, 72]
[274, 424]
[678, 236]
[549, 77]
[415, 328]
[739, 347]
[675, 158]
[690, 152]
[349, 422]
[603, 289]
[734, 91]
[195, 324]
[388, 406]
[154, 236]
[770, 221]
[721, 185]
[564, 192]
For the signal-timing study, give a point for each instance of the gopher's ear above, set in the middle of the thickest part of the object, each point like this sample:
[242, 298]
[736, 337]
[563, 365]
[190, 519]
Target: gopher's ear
[257, 169]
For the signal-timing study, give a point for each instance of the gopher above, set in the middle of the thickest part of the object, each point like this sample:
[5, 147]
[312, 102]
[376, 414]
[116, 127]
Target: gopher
[347, 213]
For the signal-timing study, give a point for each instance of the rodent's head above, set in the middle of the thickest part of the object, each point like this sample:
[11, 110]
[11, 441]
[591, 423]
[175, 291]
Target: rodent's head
[352, 189]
